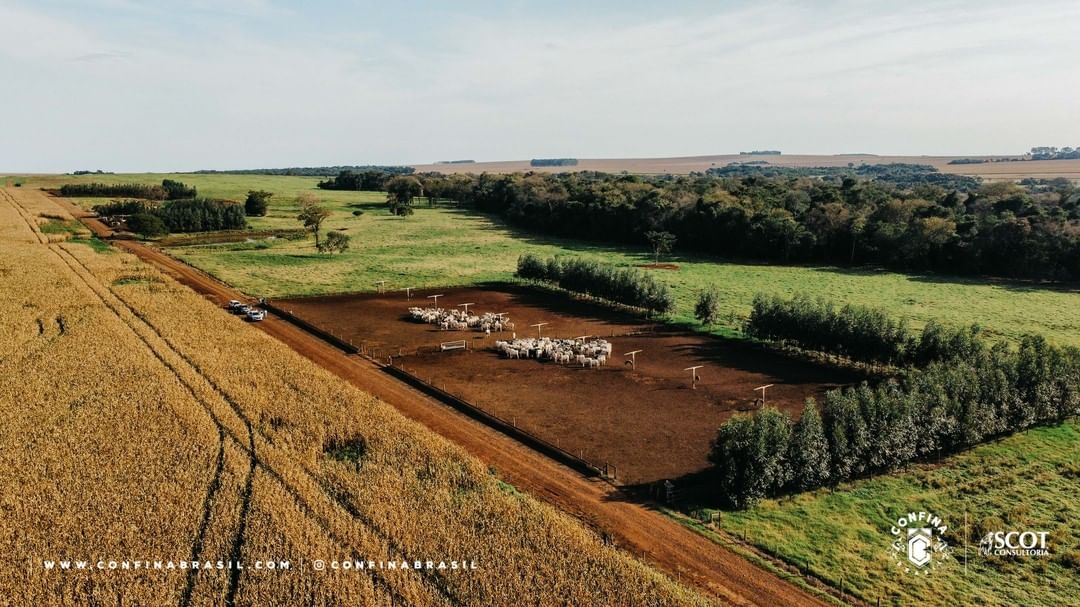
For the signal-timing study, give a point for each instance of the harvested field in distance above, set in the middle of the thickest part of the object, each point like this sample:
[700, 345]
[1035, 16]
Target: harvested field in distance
[681, 165]
[647, 421]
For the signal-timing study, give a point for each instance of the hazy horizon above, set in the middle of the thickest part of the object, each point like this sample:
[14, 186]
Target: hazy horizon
[130, 86]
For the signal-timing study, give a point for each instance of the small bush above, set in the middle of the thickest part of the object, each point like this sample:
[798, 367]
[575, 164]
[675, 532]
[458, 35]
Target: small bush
[256, 203]
[707, 309]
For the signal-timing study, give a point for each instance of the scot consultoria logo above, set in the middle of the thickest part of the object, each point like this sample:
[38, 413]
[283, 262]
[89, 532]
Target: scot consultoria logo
[919, 546]
[1014, 543]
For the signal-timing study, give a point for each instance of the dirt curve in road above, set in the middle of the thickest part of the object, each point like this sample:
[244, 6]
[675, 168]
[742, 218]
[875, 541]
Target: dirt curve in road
[665, 544]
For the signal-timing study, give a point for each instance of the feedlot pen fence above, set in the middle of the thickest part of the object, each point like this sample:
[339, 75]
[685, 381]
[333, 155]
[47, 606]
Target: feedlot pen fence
[508, 427]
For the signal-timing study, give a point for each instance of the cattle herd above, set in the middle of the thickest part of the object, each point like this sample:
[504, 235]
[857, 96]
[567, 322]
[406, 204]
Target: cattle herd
[460, 320]
[585, 352]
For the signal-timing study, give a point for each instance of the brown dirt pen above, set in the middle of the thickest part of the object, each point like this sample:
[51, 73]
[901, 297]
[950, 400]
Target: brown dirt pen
[647, 421]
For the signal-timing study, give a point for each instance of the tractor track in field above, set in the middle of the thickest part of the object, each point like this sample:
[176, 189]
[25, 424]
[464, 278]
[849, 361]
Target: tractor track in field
[72, 264]
[255, 462]
[204, 520]
[641, 531]
[87, 277]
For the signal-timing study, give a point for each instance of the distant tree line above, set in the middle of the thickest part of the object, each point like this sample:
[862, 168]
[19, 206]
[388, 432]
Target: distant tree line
[316, 171]
[863, 334]
[370, 180]
[97, 172]
[553, 162]
[1054, 153]
[895, 216]
[943, 408]
[760, 153]
[900, 175]
[626, 286]
[168, 190]
[128, 190]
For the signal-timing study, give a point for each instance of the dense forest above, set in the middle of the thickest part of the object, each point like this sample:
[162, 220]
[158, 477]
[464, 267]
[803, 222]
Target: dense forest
[151, 218]
[201, 215]
[904, 176]
[904, 217]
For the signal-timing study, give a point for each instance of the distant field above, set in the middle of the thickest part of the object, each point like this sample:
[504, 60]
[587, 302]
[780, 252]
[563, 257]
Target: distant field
[448, 246]
[1024, 482]
[232, 187]
[685, 164]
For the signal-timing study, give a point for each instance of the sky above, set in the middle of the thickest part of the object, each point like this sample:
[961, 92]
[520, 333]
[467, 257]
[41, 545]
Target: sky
[127, 85]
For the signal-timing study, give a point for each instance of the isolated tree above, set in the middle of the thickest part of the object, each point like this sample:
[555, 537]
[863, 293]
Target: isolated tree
[707, 309]
[147, 225]
[809, 452]
[661, 243]
[400, 192]
[312, 215]
[256, 203]
[335, 242]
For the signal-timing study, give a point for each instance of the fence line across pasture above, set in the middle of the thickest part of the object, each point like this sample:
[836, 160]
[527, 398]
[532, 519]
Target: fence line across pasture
[492, 419]
[323, 334]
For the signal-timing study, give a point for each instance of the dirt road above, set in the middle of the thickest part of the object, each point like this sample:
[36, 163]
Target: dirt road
[679, 552]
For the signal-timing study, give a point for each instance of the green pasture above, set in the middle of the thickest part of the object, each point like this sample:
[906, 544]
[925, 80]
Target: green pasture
[1024, 482]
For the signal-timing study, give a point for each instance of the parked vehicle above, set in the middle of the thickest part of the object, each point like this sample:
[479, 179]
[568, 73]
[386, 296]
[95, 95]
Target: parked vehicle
[234, 305]
[255, 315]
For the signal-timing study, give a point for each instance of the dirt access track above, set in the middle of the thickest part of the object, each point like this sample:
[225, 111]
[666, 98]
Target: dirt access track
[660, 541]
[645, 421]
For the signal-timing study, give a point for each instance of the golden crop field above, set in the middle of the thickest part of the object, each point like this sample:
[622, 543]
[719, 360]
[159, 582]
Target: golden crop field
[143, 423]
